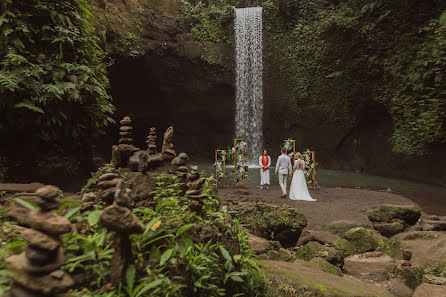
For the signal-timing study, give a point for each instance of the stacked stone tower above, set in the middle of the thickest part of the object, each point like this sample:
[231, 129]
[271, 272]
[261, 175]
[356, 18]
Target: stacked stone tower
[119, 218]
[122, 152]
[151, 141]
[126, 131]
[180, 169]
[36, 272]
[168, 147]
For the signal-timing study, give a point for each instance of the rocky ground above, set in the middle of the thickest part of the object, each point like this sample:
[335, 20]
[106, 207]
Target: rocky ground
[351, 242]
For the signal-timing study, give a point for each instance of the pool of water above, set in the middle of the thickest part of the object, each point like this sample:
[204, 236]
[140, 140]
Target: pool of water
[431, 198]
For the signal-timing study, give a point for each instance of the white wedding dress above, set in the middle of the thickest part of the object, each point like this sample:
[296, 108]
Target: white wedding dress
[298, 189]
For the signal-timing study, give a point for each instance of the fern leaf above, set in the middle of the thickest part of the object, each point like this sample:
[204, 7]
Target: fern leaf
[29, 105]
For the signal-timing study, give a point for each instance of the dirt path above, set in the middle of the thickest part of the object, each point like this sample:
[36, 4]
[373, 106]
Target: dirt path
[333, 203]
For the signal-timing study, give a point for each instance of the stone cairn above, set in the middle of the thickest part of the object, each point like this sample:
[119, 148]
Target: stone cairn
[122, 152]
[194, 187]
[179, 167]
[108, 185]
[151, 141]
[119, 218]
[36, 272]
[168, 147]
[126, 131]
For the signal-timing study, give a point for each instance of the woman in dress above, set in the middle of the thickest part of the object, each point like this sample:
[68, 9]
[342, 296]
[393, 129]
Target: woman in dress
[298, 189]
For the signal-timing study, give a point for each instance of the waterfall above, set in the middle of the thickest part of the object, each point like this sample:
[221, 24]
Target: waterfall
[249, 93]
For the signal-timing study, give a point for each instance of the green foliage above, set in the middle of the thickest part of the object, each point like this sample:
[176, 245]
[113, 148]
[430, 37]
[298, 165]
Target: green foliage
[53, 79]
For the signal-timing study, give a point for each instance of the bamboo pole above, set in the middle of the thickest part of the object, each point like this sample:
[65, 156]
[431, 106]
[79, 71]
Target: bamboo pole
[224, 169]
[314, 171]
[216, 166]
[235, 162]
[243, 164]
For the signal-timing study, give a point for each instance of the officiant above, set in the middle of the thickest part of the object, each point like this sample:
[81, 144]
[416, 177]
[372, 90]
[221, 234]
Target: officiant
[265, 163]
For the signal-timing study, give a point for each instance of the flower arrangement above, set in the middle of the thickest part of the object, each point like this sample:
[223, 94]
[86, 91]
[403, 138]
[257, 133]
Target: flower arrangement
[241, 157]
[218, 165]
[309, 167]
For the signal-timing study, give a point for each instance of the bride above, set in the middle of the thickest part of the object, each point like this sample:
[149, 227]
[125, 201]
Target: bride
[298, 189]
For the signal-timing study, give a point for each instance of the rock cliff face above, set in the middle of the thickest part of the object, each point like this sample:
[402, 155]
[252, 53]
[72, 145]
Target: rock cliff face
[159, 78]
[163, 76]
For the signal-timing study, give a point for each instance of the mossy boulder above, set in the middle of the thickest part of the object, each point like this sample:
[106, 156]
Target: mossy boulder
[302, 278]
[326, 266]
[281, 255]
[314, 249]
[272, 222]
[357, 241]
[390, 229]
[389, 213]
[339, 227]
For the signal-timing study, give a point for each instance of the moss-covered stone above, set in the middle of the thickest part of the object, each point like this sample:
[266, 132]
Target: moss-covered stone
[313, 249]
[357, 241]
[302, 278]
[272, 222]
[324, 265]
[391, 247]
[389, 229]
[341, 226]
[281, 255]
[388, 213]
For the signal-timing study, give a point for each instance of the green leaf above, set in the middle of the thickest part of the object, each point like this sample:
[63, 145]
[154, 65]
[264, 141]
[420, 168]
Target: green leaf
[26, 203]
[237, 278]
[184, 228]
[165, 256]
[72, 212]
[130, 278]
[224, 252]
[93, 217]
[29, 105]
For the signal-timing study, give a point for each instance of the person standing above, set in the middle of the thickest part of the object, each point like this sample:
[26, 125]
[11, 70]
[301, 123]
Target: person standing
[283, 169]
[298, 188]
[265, 163]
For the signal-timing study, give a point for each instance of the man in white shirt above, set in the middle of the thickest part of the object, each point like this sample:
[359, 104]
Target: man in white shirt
[283, 168]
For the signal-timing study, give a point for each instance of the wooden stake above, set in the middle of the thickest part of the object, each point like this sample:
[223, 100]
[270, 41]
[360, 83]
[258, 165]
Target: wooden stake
[243, 163]
[314, 171]
[235, 162]
[224, 169]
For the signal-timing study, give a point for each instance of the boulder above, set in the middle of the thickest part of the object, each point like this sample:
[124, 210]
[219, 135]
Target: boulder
[141, 185]
[399, 289]
[108, 176]
[387, 213]
[272, 222]
[389, 229]
[326, 266]
[339, 227]
[258, 244]
[358, 240]
[179, 160]
[302, 278]
[374, 266]
[121, 219]
[323, 237]
[434, 280]
[433, 225]
[426, 246]
[20, 215]
[314, 249]
[88, 197]
[281, 255]
[429, 290]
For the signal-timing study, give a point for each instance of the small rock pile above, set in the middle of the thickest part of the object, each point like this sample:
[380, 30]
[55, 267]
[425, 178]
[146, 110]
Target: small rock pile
[119, 218]
[122, 152]
[108, 183]
[36, 272]
[151, 141]
[168, 147]
[194, 187]
[126, 131]
[393, 219]
[180, 169]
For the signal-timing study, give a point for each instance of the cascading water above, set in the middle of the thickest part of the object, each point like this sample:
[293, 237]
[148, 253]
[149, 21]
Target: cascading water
[249, 92]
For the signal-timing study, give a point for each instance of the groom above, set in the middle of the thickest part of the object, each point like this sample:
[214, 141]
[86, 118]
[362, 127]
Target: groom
[283, 168]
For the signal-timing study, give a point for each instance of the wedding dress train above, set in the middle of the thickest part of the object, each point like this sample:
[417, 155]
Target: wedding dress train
[298, 189]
